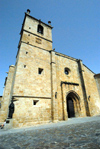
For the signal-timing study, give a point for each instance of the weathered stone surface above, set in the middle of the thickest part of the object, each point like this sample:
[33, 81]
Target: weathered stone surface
[6, 99]
[39, 85]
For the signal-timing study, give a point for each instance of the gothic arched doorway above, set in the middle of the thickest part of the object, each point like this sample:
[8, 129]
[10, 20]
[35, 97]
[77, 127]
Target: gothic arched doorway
[73, 104]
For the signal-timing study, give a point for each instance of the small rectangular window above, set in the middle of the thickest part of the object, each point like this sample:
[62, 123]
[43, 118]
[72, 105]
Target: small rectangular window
[40, 70]
[35, 102]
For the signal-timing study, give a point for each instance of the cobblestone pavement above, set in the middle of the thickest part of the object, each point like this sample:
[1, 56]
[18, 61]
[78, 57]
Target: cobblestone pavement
[73, 134]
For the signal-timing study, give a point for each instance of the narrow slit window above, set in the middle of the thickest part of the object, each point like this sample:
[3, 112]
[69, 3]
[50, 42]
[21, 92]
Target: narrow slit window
[5, 81]
[40, 70]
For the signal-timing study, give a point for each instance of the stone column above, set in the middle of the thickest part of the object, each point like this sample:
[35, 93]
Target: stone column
[54, 100]
[82, 78]
[97, 78]
[7, 94]
[65, 115]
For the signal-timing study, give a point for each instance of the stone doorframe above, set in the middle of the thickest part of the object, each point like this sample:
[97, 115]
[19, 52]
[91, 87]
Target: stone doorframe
[76, 101]
[64, 95]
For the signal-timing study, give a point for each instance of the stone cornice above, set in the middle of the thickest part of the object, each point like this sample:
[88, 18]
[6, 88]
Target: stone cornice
[38, 20]
[69, 83]
[37, 35]
[66, 56]
[15, 96]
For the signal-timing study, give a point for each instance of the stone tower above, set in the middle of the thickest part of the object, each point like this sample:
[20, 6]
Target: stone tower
[32, 64]
[32, 81]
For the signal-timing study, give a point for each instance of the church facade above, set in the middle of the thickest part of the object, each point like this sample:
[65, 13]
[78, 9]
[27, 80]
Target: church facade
[44, 85]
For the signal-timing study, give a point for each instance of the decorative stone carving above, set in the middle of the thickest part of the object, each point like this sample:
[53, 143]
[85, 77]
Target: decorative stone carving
[38, 40]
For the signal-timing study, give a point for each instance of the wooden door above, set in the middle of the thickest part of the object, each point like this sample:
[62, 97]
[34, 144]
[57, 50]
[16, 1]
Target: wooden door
[70, 107]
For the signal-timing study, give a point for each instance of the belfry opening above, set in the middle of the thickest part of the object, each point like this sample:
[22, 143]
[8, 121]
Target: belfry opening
[73, 105]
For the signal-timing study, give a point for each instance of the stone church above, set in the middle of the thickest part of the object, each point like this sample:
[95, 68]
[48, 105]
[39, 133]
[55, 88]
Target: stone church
[44, 85]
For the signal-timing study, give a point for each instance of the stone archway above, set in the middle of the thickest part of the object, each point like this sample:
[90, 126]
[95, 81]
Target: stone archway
[73, 104]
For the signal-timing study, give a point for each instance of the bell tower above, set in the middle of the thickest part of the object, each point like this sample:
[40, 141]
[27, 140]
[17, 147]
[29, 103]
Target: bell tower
[32, 57]
[31, 81]
[36, 33]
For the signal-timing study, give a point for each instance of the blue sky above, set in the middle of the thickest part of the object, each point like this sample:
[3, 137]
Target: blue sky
[76, 31]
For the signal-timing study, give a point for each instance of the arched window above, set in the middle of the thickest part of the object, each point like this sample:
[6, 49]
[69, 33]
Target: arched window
[40, 29]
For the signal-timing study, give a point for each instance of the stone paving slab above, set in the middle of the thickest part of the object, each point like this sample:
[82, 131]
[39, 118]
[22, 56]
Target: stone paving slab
[75, 133]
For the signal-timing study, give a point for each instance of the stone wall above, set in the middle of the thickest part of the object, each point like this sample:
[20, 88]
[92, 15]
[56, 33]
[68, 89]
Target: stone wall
[37, 41]
[28, 81]
[62, 62]
[28, 114]
[97, 78]
[7, 94]
[92, 92]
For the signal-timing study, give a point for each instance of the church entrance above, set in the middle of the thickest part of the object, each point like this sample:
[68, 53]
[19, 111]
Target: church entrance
[73, 104]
